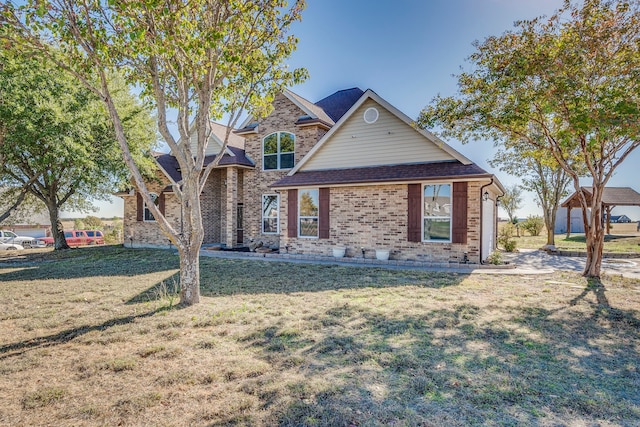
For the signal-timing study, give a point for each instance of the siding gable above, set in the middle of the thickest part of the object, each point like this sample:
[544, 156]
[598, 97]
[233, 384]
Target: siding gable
[388, 141]
[213, 147]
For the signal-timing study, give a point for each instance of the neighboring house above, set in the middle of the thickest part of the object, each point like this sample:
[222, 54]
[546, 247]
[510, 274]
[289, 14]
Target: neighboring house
[619, 219]
[350, 170]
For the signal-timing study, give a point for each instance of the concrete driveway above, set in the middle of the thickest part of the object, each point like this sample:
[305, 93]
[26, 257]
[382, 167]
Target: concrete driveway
[533, 260]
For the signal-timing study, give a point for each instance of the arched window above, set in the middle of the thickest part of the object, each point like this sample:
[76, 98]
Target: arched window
[277, 151]
[148, 216]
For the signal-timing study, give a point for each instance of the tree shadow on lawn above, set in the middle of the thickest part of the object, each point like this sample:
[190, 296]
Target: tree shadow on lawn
[456, 366]
[88, 262]
[18, 348]
[236, 277]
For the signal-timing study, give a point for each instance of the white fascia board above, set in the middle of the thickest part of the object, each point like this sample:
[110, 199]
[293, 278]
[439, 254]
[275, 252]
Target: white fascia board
[247, 121]
[291, 97]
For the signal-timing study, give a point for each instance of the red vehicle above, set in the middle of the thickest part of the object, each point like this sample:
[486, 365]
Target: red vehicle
[74, 238]
[95, 237]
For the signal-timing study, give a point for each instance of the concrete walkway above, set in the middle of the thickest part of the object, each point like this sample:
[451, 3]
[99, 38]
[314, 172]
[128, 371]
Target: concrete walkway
[524, 262]
[536, 259]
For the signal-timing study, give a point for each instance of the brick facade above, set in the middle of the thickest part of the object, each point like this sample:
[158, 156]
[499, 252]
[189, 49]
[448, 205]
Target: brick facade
[257, 181]
[147, 233]
[375, 217]
[364, 216]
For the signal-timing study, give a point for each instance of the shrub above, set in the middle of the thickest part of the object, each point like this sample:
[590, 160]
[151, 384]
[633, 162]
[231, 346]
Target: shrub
[495, 258]
[505, 237]
[533, 225]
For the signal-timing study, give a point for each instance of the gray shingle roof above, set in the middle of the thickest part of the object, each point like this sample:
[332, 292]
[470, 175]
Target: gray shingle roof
[611, 196]
[379, 174]
[338, 103]
[171, 167]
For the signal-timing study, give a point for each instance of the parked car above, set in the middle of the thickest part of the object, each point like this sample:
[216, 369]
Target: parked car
[96, 237]
[11, 247]
[74, 238]
[10, 237]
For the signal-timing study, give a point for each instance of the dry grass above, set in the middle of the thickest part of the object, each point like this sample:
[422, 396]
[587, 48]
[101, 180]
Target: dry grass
[624, 238]
[87, 337]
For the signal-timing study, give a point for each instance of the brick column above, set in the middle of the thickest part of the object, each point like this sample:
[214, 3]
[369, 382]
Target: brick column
[230, 223]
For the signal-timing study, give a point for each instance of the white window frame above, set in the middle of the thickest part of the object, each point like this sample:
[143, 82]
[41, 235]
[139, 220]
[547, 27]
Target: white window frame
[146, 209]
[279, 153]
[269, 217]
[424, 217]
[300, 217]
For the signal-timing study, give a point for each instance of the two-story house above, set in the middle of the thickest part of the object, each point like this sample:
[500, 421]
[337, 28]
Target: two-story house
[349, 170]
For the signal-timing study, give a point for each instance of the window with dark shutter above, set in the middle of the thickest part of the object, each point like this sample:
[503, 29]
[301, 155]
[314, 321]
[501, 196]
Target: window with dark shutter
[323, 220]
[414, 214]
[459, 220]
[292, 213]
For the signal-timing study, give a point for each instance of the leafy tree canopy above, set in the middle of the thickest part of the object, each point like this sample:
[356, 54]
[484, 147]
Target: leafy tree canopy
[58, 141]
[574, 76]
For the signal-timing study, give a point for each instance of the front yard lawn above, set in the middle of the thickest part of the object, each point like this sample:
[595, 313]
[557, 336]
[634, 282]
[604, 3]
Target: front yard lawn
[92, 336]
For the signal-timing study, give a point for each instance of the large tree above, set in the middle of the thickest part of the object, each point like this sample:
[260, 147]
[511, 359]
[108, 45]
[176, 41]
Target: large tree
[59, 146]
[204, 58]
[539, 173]
[511, 201]
[576, 76]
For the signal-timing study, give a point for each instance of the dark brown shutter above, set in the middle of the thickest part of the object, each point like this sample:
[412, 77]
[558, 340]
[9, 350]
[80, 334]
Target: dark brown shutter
[292, 213]
[323, 214]
[414, 196]
[161, 203]
[459, 220]
[139, 207]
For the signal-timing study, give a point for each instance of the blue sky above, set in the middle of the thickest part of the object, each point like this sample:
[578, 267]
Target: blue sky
[407, 52]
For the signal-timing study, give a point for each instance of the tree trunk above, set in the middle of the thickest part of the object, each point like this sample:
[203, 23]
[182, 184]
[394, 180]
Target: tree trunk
[190, 242]
[57, 231]
[190, 276]
[550, 225]
[594, 235]
[551, 236]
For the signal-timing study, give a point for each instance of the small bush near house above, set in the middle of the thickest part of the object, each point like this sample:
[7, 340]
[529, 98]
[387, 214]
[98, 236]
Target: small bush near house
[495, 258]
[505, 237]
[533, 225]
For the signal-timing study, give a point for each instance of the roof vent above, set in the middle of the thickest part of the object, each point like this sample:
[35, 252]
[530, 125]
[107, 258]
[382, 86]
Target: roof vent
[371, 115]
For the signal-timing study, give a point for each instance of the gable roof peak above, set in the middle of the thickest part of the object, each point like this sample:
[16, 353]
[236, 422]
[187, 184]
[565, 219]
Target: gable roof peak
[370, 94]
[308, 107]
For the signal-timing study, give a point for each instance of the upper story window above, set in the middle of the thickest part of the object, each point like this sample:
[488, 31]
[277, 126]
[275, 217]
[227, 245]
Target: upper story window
[148, 216]
[277, 151]
[436, 214]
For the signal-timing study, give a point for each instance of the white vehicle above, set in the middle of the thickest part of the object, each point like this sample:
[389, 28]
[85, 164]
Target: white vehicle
[11, 247]
[7, 236]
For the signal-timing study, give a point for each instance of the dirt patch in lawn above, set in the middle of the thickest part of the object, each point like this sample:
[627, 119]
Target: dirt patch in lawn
[93, 337]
